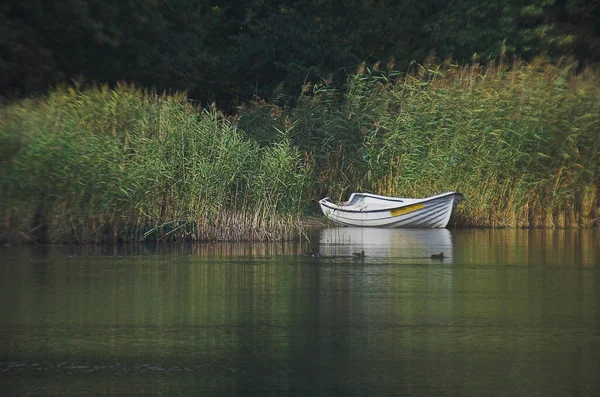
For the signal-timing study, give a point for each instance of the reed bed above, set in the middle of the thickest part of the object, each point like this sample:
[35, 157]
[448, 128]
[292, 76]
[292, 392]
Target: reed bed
[521, 141]
[121, 164]
[101, 164]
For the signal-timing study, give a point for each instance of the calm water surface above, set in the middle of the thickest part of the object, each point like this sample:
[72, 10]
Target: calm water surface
[508, 313]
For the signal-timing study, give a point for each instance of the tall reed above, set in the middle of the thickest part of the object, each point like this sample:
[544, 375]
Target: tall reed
[521, 142]
[122, 164]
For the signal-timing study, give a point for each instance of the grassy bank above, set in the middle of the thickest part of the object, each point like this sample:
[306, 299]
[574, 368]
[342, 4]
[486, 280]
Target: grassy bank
[522, 142]
[123, 165]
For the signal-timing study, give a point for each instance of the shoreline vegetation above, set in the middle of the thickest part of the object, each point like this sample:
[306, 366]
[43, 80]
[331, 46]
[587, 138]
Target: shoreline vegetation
[120, 164]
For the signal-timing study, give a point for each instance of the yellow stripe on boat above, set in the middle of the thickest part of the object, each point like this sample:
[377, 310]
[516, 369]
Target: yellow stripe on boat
[406, 210]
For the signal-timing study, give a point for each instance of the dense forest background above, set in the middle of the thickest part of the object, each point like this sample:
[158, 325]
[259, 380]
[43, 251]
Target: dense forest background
[230, 51]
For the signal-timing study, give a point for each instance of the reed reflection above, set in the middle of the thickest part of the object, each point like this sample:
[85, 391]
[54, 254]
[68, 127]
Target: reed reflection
[515, 310]
[571, 247]
[216, 249]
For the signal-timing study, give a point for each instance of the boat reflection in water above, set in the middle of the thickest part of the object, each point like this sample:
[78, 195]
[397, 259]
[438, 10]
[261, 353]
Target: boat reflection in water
[406, 245]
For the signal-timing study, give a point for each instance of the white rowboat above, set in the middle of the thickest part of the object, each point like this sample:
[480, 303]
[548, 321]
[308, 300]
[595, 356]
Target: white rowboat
[371, 210]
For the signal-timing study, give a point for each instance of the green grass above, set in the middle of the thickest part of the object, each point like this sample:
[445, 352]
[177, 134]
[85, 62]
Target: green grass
[120, 164]
[522, 142]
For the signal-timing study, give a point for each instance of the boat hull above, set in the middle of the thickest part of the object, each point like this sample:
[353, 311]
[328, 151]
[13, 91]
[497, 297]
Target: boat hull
[370, 210]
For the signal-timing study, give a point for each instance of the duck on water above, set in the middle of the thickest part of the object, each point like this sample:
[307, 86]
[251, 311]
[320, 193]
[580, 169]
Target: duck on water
[360, 254]
[439, 256]
[313, 253]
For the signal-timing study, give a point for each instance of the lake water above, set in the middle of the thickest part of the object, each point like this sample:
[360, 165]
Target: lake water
[507, 313]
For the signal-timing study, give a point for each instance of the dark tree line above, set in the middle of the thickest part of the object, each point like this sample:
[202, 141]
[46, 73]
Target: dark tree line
[228, 51]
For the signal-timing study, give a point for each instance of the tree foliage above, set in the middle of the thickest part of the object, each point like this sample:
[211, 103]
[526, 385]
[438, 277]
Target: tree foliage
[229, 51]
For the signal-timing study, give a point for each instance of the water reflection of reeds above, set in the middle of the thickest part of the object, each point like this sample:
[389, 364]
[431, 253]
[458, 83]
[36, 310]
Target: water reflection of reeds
[224, 249]
[571, 247]
[171, 315]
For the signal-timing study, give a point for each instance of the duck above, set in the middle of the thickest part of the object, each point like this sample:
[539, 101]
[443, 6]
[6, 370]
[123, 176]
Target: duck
[313, 253]
[439, 256]
[360, 254]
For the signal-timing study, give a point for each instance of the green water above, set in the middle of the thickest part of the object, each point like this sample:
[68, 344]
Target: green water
[507, 313]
